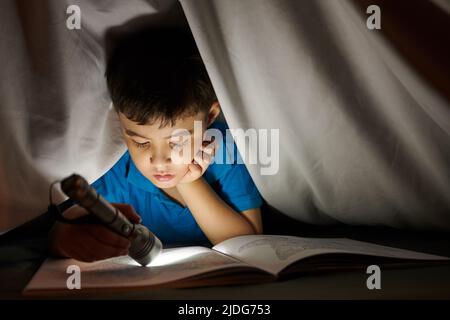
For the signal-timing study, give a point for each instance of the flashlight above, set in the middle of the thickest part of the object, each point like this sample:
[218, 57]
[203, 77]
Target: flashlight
[145, 246]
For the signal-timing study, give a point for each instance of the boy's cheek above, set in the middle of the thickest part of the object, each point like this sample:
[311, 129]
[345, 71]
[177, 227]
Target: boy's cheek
[183, 158]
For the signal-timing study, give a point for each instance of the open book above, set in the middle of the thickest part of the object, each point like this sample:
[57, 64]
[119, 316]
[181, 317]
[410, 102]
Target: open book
[243, 259]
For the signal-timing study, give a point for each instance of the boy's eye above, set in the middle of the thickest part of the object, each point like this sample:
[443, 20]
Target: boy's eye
[141, 145]
[176, 146]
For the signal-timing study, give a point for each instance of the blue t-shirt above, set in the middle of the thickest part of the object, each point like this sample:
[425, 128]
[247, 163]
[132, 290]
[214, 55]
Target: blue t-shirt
[168, 220]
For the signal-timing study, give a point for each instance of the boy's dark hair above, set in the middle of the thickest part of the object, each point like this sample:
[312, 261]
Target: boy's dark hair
[158, 75]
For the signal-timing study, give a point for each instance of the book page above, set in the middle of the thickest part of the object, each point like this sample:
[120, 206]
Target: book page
[171, 265]
[273, 253]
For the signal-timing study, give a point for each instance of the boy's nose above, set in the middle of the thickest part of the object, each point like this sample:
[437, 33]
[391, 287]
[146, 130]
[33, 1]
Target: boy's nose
[157, 159]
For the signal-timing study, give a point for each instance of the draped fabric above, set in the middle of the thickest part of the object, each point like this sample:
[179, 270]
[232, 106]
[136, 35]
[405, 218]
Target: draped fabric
[363, 115]
[56, 116]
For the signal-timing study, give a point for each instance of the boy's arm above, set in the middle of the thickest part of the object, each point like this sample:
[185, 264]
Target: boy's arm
[254, 217]
[215, 217]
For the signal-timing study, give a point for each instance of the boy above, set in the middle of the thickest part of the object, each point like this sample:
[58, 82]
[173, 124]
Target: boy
[160, 88]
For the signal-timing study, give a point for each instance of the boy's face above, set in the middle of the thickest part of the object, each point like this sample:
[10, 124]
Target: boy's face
[163, 155]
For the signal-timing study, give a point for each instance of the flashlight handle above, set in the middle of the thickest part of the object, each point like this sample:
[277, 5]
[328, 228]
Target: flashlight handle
[145, 246]
[78, 189]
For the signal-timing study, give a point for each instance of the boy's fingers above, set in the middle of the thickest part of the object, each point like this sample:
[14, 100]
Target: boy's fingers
[207, 142]
[107, 237]
[210, 149]
[94, 250]
[75, 212]
[83, 252]
[202, 159]
[79, 244]
[206, 157]
[212, 143]
[87, 243]
[195, 169]
[128, 211]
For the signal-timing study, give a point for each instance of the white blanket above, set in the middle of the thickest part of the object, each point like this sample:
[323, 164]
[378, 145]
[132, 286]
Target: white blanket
[363, 138]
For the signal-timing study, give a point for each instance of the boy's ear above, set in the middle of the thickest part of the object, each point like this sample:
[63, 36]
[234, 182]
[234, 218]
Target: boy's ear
[213, 113]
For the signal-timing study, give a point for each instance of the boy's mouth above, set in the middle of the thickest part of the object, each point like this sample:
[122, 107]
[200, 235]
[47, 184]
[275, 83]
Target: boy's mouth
[164, 177]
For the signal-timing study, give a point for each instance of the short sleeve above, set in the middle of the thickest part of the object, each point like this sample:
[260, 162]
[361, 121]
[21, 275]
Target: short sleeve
[238, 190]
[229, 176]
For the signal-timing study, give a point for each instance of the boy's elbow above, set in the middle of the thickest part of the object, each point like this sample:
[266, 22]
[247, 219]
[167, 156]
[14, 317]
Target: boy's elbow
[253, 218]
[244, 232]
[251, 229]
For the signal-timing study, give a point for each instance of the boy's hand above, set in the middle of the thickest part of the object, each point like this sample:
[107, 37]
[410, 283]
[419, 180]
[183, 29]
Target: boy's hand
[90, 242]
[200, 162]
